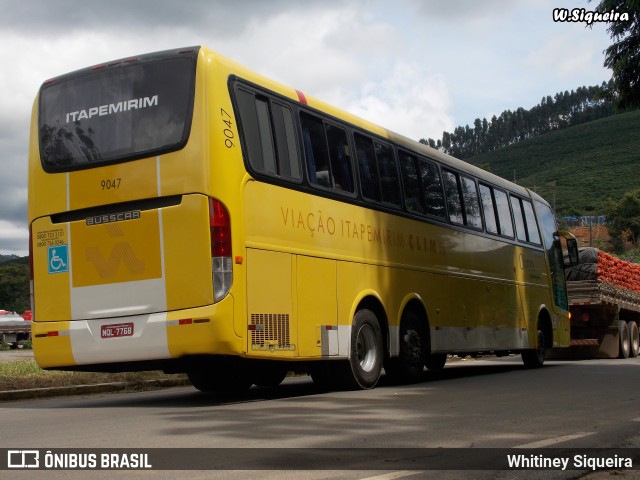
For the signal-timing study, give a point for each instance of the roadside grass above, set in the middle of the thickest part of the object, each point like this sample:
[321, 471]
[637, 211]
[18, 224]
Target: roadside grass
[25, 374]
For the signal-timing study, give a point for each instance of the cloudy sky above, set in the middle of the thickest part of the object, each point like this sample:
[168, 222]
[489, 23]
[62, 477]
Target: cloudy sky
[418, 67]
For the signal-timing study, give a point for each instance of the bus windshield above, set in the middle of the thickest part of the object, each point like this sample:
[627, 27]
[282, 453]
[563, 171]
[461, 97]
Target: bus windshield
[117, 112]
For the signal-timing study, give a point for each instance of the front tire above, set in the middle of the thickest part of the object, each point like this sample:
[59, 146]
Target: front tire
[535, 358]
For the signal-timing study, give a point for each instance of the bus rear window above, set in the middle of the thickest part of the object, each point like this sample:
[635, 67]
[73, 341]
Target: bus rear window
[118, 112]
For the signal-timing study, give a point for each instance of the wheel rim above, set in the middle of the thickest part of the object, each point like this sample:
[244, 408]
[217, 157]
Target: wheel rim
[367, 348]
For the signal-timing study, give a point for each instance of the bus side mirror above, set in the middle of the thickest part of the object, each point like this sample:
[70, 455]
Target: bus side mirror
[567, 246]
[572, 250]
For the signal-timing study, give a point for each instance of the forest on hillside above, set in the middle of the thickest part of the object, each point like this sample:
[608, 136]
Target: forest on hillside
[564, 109]
[14, 283]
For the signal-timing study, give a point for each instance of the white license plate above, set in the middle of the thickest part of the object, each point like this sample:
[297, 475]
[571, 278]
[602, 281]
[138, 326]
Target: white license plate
[117, 330]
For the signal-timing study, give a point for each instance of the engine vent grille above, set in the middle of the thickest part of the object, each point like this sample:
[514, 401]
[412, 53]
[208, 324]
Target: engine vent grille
[270, 331]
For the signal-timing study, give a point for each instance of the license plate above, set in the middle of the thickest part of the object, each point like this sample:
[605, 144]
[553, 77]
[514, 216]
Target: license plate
[117, 330]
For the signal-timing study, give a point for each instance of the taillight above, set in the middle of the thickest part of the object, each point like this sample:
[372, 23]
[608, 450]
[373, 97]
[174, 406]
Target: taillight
[221, 264]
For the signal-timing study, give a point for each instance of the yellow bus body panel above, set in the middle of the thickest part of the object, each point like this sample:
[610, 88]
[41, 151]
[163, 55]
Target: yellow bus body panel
[186, 243]
[317, 288]
[52, 344]
[206, 332]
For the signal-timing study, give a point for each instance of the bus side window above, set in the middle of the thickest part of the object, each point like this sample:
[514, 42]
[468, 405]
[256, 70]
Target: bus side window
[286, 144]
[340, 155]
[257, 132]
[367, 167]
[488, 206]
[471, 203]
[521, 230]
[315, 148]
[410, 179]
[504, 213]
[266, 136]
[269, 135]
[389, 182]
[454, 201]
[328, 154]
[432, 186]
[530, 222]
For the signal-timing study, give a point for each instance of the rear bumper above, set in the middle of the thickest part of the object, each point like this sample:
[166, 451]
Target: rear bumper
[135, 339]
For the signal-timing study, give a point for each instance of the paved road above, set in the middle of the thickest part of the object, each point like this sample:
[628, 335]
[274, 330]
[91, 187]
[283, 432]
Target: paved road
[469, 405]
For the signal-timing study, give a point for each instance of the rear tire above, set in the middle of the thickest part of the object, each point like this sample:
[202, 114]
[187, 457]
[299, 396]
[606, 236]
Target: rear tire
[436, 361]
[408, 367]
[364, 366]
[634, 339]
[269, 375]
[221, 378]
[320, 373]
[534, 358]
[625, 344]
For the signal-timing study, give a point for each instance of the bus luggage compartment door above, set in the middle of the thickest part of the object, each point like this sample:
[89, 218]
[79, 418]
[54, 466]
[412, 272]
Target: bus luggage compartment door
[271, 327]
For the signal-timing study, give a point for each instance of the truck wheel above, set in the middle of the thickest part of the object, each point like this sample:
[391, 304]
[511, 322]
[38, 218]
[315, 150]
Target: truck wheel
[634, 339]
[625, 346]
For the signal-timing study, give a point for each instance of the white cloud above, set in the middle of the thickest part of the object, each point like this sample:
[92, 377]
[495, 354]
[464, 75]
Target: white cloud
[568, 54]
[409, 101]
[321, 51]
[13, 239]
[346, 58]
[12, 232]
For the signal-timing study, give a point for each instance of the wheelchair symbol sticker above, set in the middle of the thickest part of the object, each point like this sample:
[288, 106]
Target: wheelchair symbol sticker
[58, 259]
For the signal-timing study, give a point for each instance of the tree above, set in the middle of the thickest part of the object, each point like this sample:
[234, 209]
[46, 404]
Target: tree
[567, 109]
[14, 285]
[623, 56]
[624, 219]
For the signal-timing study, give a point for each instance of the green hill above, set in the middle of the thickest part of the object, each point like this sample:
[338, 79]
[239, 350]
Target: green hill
[8, 258]
[576, 168]
[14, 283]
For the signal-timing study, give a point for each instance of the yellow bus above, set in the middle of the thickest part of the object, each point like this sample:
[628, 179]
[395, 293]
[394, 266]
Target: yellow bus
[189, 215]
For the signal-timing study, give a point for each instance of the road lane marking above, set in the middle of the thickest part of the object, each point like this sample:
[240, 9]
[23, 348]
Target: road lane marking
[394, 475]
[552, 441]
[636, 419]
